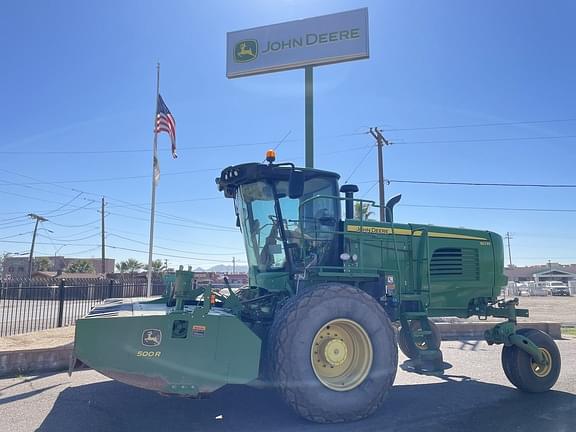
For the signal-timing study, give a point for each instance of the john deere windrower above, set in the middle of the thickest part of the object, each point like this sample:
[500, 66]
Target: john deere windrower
[317, 318]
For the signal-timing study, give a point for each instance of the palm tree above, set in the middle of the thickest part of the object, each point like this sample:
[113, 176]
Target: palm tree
[121, 266]
[361, 210]
[158, 266]
[132, 265]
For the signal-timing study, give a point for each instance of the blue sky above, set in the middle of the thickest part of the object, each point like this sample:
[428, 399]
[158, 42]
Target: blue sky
[80, 76]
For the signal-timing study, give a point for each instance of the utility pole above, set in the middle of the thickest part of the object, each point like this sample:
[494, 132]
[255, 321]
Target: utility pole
[509, 237]
[38, 220]
[380, 142]
[233, 264]
[103, 241]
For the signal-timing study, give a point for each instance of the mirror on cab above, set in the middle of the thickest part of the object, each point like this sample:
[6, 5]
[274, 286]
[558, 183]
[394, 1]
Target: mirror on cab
[296, 184]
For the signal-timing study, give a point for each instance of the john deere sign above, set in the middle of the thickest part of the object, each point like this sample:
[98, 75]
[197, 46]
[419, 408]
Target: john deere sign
[312, 41]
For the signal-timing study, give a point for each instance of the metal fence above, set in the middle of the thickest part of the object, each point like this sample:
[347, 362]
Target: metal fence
[28, 305]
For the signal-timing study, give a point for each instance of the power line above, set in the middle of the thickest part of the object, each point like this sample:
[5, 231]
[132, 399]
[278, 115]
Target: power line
[201, 147]
[359, 164]
[177, 241]
[67, 203]
[167, 255]
[73, 240]
[14, 226]
[484, 140]
[370, 188]
[473, 125]
[143, 176]
[274, 142]
[536, 185]
[76, 226]
[175, 224]
[166, 202]
[108, 179]
[16, 235]
[169, 249]
[542, 210]
[210, 227]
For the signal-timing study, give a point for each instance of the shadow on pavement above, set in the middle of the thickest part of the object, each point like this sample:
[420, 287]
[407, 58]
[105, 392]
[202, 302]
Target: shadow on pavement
[9, 399]
[443, 406]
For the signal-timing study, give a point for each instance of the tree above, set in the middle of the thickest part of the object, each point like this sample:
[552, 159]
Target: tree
[362, 210]
[43, 264]
[81, 266]
[121, 266]
[131, 265]
[2, 260]
[158, 266]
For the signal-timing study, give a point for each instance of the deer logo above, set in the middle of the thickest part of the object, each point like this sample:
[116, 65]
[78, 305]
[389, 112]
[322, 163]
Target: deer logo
[246, 50]
[151, 337]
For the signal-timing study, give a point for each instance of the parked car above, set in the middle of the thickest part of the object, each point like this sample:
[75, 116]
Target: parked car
[560, 290]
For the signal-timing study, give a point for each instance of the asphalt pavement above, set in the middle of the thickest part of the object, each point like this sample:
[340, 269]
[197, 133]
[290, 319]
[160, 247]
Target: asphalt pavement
[474, 395]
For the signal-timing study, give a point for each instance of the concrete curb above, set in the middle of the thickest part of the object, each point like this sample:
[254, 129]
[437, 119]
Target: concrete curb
[20, 362]
[26, 361]
[475, 330]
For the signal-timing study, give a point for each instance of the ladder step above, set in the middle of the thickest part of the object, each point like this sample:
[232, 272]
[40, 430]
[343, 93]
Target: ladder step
[411, 296]
[415, 314]
[421, 332]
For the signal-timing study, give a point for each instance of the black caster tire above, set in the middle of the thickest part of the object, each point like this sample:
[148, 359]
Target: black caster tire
[523, 372]
[412, 350]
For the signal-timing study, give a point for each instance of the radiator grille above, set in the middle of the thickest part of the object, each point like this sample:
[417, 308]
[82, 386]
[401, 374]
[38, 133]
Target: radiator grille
[455, 264]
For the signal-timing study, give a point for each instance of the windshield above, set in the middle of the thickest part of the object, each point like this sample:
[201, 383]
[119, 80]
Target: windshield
[308, 224]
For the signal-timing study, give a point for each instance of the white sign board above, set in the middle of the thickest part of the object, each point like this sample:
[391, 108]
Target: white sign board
[312, 41]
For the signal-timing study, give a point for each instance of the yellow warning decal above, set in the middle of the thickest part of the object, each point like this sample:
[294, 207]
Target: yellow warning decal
[407, 232]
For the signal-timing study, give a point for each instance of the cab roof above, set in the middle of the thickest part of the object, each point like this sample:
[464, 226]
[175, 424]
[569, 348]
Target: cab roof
[236, 175]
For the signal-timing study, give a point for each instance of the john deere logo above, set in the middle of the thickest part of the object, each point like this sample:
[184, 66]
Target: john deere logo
[151, 337]
[246, 50]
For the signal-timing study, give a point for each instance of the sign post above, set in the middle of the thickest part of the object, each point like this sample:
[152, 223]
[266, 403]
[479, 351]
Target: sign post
[296, 44]
[309, 115]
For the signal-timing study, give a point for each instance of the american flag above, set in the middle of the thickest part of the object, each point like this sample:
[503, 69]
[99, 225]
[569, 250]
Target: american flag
[165, 123]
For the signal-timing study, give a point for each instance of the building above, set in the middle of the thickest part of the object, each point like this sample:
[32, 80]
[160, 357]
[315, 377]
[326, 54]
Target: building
[542, 273]
[16, 267]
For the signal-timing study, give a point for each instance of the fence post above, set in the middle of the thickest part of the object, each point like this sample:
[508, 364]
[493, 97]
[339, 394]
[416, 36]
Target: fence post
[110, 287]
[61, 302]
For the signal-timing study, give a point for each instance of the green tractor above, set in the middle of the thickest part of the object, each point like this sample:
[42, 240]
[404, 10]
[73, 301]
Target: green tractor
[326, 296]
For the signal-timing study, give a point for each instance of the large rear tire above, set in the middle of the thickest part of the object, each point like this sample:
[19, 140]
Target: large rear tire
[334, 353]
[409, 348]
[523, 372]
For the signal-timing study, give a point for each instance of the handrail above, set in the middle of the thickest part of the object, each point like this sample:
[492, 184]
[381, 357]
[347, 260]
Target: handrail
[363, 237]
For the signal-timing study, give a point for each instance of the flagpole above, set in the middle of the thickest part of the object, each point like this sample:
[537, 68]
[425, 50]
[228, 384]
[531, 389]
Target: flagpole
[153, 204]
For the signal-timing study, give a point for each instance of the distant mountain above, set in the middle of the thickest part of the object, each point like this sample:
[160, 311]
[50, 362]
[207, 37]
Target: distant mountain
[222, 268]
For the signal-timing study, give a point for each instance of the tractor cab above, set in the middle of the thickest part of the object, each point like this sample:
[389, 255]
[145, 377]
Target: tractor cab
[288, 216]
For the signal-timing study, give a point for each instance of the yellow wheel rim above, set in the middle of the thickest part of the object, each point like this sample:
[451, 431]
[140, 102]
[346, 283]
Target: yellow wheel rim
[341, 354]
[542, 370]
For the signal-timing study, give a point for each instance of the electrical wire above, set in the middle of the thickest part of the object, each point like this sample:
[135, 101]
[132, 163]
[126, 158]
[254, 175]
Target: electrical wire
[473, 125]
[543, 210]
[483, 140]
[176, 241]
[172, 249]
[359, 164]
[533, 185]
[170, 255]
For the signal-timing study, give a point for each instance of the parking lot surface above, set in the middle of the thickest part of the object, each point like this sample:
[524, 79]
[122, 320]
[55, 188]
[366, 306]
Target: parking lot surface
[474, 395]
